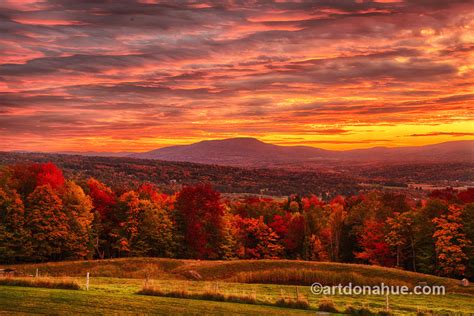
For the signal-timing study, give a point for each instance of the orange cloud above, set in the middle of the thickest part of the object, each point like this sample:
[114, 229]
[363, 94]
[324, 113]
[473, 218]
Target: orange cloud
[76, 75]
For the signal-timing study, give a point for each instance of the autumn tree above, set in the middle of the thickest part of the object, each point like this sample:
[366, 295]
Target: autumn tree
[316, 223]
[359, 210]
[451, 243]
[47, 223]
[257, 240]
[426, 261]
[401, 237]
[105, 222]
[26, 177]
[199, 217]
[336, 218]
[314, 249]
[255, 207]
[466, 196]
[15, 242]
[128, 216]
[78, 210]
[295, 237]
[230, 241]
[155, 232]
[375, 249]
[280, 224]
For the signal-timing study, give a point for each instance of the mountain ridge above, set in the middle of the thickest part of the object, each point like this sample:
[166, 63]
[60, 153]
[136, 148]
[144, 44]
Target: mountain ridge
[245, 151]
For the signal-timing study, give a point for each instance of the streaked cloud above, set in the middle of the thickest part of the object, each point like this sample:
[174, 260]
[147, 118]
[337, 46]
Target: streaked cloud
[82, 75]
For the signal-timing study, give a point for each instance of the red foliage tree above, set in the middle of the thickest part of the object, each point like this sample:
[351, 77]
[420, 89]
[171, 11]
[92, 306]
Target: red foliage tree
[199, 214]
[467, 196]
[338, 200]
[448, 194]
[256, 239]
[102, 197]
[26, 177]
[311, 202]
[49, 173]
[375, 249]
[280, 224]
[294, 239]
[105, 224]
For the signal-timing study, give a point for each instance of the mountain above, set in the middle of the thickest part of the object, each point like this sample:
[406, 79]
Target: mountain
[255, 153]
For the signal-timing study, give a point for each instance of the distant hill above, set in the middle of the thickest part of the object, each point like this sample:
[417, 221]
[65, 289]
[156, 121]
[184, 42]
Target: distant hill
[96, 153]
[253, 152]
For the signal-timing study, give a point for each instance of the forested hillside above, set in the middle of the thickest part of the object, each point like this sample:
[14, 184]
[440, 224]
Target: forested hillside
[46, 217]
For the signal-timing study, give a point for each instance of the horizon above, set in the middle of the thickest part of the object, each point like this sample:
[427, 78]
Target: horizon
[148, 75]
[225, 139]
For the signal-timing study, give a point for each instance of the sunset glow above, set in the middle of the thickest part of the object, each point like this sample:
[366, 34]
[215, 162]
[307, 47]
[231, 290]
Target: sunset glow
[139, 75]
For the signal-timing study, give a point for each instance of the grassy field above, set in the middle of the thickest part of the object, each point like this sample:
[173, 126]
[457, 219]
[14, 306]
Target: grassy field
[114, 285]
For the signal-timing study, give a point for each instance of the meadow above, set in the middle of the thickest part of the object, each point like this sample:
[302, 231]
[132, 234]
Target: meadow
[115, 283]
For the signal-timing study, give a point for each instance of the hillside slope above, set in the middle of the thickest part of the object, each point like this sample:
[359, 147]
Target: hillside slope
[238, 270]
[115, 282]
[252, 152]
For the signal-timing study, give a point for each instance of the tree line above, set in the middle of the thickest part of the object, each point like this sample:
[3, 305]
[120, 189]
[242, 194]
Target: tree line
[45, 217]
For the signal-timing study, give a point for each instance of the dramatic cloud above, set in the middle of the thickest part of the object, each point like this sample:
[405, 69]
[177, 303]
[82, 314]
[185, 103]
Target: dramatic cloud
[454, 134]
[141, 74]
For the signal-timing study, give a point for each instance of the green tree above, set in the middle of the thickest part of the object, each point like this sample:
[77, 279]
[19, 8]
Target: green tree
[155, 232]
[468, 229]
[424, 227]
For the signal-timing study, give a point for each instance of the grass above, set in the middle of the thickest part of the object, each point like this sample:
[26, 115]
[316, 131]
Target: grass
[17, 300]
[206, 295]
[215, 295]
[134, 268]
[307, 276]
[117, 294]
[291, 272]
[45, 282]
[299, 303]
[327, 305]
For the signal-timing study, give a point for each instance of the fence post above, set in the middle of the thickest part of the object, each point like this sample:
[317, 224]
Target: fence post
[37, 272]
[87, 281]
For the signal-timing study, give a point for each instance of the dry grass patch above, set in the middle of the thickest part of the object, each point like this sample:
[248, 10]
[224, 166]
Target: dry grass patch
[308, 277]
[206, 295]
[213, 295]
[133, 268]
[44, 282]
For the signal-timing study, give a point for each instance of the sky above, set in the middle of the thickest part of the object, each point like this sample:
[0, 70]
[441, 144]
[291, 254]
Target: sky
[138, 75]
